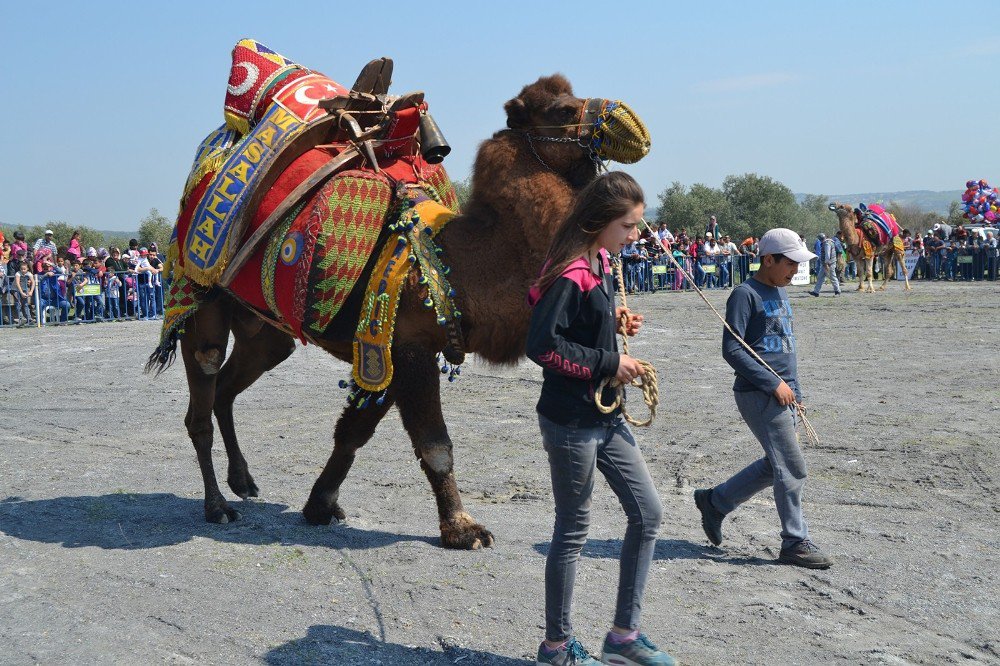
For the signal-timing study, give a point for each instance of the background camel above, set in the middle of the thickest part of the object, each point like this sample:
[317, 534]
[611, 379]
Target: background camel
[863, 251]
[524, 181]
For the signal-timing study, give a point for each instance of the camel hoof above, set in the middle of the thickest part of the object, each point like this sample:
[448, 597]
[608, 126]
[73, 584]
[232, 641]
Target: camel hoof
[315, 514]
[222, 514]
[243, 487]
[463, 533]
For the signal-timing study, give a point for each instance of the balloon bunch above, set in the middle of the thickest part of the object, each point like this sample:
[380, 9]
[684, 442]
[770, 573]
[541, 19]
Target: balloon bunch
[980, 201]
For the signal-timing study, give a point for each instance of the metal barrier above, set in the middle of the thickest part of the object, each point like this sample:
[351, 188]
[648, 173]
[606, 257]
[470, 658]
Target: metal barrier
[124, 297]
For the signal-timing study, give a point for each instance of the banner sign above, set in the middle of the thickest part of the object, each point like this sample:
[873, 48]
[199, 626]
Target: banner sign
[911, 257]
[802, 276]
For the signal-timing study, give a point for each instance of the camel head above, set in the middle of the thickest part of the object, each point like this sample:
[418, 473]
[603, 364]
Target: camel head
[848, 220]
[565, 131]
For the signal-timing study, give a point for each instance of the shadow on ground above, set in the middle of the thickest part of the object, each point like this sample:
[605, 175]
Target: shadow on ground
[325, 644]
[126, 521]
[666, 549]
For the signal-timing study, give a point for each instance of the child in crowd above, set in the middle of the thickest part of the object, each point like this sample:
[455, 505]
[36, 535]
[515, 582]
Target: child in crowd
[113, 285]
[24, 293]
[572, 336]
[759, 312]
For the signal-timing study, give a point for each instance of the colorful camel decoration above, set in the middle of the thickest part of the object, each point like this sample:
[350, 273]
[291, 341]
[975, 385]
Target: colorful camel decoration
[524, 182]
[870, 231]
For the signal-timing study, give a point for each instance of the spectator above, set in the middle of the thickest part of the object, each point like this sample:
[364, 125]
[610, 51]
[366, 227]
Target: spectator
[710, 261]
[24, 294]
[6, 300]
[990, 248]
[712, 228]
[74, 251]
[841, 248]
[19, 243]
[46, 242]
[730, 256]
[115, 265]
[146, 273]
[113, 286]
[50, 292]
[942, 230]
[826, 266]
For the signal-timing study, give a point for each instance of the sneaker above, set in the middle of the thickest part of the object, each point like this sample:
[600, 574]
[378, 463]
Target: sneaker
[572, 653]
[711, 518]
[639, 652]
[813, 293]
[805, 554]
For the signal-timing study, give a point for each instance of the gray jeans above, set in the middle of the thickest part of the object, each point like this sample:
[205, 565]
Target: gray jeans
[574, 455]
[822, 272]
[783, 467]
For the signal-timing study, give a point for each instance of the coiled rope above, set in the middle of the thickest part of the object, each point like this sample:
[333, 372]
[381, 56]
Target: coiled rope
[647, 382]
[800, 409]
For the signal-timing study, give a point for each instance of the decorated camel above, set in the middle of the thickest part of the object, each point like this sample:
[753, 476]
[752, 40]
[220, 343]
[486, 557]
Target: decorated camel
[871, 231]
[420, 283]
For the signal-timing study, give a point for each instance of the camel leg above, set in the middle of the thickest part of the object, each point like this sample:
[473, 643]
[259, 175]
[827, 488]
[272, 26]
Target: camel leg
[906, 273]
[256, 350]
[418, 397]
[354, 428]
[203, 348]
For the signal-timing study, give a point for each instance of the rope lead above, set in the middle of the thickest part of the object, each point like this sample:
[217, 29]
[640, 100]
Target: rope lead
[646, 382]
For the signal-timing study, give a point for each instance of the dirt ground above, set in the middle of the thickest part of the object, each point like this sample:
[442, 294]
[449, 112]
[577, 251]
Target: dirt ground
[105, 556]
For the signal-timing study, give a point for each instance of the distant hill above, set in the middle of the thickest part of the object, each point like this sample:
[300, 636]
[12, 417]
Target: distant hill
[937, 202]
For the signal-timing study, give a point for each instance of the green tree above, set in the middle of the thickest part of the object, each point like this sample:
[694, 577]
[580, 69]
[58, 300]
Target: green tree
[463, 190]
[155, 228]
[759, 203]
[913, 217]
[683, 208]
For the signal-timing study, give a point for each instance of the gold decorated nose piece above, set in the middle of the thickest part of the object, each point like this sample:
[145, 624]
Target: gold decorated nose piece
[619, 134]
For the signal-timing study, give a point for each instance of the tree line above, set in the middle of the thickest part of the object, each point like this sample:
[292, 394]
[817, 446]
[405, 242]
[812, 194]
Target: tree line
[153, 228]
[745, 205]
[750, 204]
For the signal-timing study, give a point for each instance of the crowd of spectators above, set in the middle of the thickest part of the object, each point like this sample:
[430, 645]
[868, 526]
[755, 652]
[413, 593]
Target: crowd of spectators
[714, 260]
[955, 254]
[43, 282]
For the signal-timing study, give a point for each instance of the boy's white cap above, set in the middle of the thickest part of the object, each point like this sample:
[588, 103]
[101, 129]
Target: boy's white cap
[786, 242]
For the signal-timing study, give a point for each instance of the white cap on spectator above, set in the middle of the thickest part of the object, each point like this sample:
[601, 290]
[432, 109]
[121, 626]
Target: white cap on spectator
[49, 232]
[785, 242]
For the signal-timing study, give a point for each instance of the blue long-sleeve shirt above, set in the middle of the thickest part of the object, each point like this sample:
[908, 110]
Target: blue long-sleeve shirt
[762, 316]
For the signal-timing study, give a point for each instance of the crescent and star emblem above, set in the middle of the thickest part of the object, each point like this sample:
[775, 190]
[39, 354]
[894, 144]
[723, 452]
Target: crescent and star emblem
[252, 75]
[302, 98]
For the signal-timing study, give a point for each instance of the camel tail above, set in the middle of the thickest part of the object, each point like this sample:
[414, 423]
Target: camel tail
[164, 354]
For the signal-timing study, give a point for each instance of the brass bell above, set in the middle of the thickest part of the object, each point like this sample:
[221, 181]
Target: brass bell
[432, 143]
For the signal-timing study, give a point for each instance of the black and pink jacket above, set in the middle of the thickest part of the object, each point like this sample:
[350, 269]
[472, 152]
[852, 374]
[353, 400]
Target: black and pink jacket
[572, 336]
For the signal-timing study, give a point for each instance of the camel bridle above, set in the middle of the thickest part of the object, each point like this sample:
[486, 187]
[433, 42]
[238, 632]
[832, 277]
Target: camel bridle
[606, 130]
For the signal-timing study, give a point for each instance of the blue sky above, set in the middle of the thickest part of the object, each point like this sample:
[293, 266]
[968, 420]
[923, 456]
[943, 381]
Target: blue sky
[104, 102]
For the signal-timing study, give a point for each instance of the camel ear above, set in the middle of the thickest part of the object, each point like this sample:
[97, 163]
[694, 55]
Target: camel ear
[517, 113]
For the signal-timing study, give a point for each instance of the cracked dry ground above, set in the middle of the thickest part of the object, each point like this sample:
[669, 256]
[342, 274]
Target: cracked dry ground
[104, 557]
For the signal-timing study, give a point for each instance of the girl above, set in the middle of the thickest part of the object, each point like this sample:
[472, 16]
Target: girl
[572, 336]
[75, 250]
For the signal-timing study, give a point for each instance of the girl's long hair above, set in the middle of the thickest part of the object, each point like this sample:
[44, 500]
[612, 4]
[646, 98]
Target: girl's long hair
[606, 198]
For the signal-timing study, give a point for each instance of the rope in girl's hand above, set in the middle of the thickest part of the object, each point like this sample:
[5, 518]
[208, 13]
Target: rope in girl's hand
[647, 381]
[800, 409]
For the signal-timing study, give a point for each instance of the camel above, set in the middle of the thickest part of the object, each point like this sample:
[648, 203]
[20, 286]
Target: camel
[524, 181]
[864, 252]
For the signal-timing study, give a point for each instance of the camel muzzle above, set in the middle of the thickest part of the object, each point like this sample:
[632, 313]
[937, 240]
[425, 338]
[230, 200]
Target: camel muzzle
[616, 131]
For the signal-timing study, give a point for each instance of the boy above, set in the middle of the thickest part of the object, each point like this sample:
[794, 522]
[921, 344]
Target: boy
[24, 292]
[759, 311]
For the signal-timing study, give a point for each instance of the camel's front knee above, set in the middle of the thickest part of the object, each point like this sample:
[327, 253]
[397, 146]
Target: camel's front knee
[437, 456]
[210, 359]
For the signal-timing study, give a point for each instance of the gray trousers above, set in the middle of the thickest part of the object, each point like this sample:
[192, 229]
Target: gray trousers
[822, 272]
[574, 456]
[783, 467]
